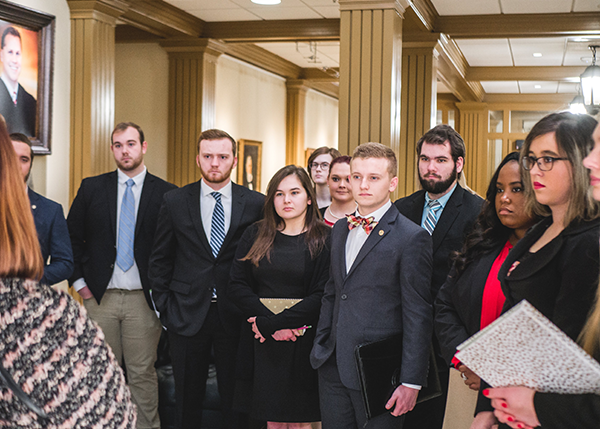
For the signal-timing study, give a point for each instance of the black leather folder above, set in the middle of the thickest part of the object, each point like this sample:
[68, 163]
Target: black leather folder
[378, 366]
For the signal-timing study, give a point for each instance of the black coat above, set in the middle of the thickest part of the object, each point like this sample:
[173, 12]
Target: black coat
[93, 228]
[183, 270]
[459, 301]
[454, 224]
[20, 117]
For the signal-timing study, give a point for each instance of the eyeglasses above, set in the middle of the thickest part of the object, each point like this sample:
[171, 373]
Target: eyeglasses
[324, 165]
[544, 163]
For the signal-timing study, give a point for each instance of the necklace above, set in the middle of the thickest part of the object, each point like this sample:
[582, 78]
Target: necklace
[333, 214]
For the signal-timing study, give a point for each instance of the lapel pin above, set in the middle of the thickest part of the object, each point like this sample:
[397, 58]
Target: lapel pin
[381, 232]
[33, 206]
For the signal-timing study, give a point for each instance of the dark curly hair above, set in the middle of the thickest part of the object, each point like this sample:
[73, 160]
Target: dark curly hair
[488, 232]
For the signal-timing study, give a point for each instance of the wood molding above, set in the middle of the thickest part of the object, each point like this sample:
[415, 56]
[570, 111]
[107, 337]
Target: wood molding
[328, 88]
[162, 19]
[452, 70]
[295, 121]
[315, 74]
[562, 73]
[426, 12]
[263, 59]
[518, 25]
[398, 5]
[193, 46]
[106, 11]
[562, 99]
[275, 30]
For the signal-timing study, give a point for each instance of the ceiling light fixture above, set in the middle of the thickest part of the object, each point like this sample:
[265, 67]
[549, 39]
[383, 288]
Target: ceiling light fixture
[537, 54]
[537, 86]
[590, 82]
[266, 2]
[576, 105]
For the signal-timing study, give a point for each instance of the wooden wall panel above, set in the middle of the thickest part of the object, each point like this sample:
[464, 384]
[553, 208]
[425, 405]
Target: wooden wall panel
[473, 128]
[295, 121]
[192, 76]
[92, 89]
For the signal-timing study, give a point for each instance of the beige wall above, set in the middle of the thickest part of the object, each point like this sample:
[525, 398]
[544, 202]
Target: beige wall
[50, 175]
[250, 104]
[321, 128]
[142, 96]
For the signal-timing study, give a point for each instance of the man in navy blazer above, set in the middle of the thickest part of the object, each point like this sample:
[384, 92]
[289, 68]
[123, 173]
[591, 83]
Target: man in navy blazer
[447, 212]
[112, 223]
[50, 222]
[199, 227]
[379, 287]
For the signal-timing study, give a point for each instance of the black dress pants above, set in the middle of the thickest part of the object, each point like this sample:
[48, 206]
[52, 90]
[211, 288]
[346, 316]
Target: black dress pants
[190, 357]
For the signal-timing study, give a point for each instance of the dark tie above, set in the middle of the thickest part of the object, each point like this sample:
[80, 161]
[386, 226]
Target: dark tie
[432, 216]
[217, 225]
[367, 223]
[126, 229]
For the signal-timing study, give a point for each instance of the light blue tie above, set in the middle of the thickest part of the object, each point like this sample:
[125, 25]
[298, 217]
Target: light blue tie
[217, 225]
[432, 218]
[126, 229]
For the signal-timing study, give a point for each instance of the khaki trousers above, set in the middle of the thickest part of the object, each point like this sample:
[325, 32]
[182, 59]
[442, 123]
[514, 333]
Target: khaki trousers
[132, 331]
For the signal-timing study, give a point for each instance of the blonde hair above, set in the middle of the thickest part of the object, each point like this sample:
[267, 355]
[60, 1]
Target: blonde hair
[590, 335]
[19, 246]
[377, 150]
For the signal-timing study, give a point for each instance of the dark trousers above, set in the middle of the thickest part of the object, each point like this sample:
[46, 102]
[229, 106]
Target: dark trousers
[430, 414]
[191, 358]
[343, 408]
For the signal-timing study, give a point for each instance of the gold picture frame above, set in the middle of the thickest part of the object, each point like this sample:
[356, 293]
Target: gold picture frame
[249, 164]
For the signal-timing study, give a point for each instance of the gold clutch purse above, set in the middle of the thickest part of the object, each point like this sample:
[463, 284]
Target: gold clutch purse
[277, 305]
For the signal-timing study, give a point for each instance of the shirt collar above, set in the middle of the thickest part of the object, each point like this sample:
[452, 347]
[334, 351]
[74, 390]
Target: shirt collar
[442, 200]
[205, 189]
[11, 88]
[138, 180]
[377, 214]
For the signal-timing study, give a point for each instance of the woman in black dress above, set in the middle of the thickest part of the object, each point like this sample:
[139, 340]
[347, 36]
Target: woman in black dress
[555, 266]
[285, 255]
[527, 409]
[471, 297]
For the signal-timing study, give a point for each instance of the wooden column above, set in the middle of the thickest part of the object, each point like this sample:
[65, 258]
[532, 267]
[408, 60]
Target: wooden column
[370, 77]
[92, 86]
[419, 101]
[295, 121]
[473, 128]
[192, 80]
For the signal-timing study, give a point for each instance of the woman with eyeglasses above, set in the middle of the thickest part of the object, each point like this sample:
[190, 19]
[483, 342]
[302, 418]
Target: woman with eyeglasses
[318, 169]
[555, 266]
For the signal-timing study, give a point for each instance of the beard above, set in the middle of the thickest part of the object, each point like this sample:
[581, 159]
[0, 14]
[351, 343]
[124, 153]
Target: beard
[216, 176]
[435, 187]
[135, 163]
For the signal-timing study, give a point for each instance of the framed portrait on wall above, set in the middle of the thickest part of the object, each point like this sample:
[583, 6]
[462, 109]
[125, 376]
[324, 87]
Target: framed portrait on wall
[249, 164]
[26, 70]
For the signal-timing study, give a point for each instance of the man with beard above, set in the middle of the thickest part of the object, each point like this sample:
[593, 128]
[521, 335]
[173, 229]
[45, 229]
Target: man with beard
[199, 227]
[112, 223]
[447, 212]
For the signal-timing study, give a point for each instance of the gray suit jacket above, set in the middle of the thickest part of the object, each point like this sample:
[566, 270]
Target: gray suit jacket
[386, 292]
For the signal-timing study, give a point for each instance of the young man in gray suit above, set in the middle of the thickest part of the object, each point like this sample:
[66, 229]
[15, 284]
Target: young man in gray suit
[379, 287]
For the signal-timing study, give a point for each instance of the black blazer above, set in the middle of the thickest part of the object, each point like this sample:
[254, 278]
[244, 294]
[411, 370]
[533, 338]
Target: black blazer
[386, 292]
[456, 222]
[556, 411]
[560, 279]
[20, 117]
[458, 303]
[183, 270]
[53, 236]
[93, 228]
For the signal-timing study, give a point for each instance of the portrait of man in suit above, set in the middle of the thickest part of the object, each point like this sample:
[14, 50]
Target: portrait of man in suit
[447, 212]
[112, 223]
[199, 227]
[379, 287]
[49, 218]
[16, 105]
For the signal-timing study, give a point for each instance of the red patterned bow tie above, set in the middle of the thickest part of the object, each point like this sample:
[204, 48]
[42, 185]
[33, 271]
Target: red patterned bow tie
[368, 223]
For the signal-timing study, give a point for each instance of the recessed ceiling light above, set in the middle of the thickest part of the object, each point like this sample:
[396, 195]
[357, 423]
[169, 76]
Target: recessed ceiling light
[267, 2]
[537, 86]
[581, 39]
[537, 54]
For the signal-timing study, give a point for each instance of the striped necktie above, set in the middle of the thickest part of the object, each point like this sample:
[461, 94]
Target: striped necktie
[432, 216]
[217, 225]
[126, 229]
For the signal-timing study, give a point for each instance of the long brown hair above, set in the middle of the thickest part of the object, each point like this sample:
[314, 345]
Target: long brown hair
[316, 230]
[590, 336]
[20, 254]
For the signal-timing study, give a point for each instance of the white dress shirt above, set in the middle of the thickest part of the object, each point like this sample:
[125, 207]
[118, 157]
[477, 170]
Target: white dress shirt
[355, 241]
[207, 205]
[130, 279]
[13, 90]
